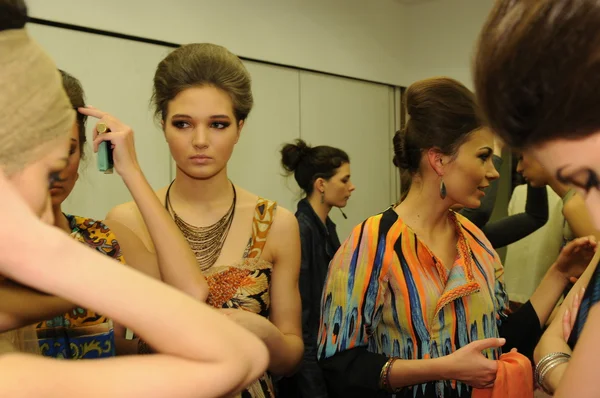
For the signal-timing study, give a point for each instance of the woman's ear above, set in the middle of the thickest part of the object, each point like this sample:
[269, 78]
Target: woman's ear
[319, 185]
[437, 160]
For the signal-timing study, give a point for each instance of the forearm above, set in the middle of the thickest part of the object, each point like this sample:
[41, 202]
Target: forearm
[176, 261]
[21, 306]
[550, 343]
[405, 373]
[510, 229]
[581, 373]
[553, 339]
[548, 292]
[285, 351]
[138, 302]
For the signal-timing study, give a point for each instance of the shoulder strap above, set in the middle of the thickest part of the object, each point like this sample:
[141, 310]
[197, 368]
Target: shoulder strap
[264, 213]
[97, 235]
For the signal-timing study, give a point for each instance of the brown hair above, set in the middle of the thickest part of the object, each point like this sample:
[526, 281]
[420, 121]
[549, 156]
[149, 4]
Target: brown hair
[310, 163]
[75, 93]
[202, 64]
[537, 70]
[442, 114]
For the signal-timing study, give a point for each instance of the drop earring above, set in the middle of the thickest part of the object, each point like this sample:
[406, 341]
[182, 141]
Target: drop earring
[442, 190]
[322, 197]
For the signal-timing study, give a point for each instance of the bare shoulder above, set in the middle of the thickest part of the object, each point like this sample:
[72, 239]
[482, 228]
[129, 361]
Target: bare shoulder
[245, 199]
[284, 219]
[128, 215]
[284, 237]
[285, 222]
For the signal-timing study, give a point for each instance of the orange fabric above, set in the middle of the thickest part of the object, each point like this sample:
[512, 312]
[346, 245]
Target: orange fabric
[513, 380]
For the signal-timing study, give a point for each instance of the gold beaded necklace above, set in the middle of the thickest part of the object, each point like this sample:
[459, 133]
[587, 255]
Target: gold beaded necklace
[206, 242]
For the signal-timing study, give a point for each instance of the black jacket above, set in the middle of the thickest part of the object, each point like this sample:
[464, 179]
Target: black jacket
[319, 242]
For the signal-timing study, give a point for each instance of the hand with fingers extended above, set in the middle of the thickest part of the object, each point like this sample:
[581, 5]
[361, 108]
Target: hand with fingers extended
[570, 315]
[121, 140]
[471, 367]
[575, 257]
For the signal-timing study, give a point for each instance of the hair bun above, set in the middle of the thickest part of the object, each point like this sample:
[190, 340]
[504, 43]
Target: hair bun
[401, 154]
[292, 154]
[13, 14]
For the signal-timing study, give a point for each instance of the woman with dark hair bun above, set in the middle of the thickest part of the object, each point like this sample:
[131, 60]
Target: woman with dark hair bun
[414, 303]
[323, 174]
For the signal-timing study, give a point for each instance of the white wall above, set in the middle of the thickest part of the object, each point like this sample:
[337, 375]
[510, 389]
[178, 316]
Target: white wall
[355, 38]
[388, 41]
[289, 103]
[440, 36]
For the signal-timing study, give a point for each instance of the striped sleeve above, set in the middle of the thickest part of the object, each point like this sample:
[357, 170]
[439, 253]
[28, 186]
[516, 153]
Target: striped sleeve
[353, 293]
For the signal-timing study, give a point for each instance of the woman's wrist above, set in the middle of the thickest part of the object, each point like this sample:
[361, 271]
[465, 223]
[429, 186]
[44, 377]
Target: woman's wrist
[558, 275]
[133, 176]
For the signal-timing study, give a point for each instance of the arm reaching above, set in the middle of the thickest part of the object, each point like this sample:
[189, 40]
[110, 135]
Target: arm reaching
[203, 354]
[173, 258]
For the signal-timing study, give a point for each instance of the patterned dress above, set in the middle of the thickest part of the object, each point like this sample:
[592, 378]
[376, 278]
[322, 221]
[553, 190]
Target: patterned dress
[387, 295]
[82, 333]
[245, 285]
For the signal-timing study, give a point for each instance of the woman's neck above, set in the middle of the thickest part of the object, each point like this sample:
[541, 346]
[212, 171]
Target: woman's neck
[322, 209]
[209, 194]
[60, 221]
[424, 211]
[560, 189]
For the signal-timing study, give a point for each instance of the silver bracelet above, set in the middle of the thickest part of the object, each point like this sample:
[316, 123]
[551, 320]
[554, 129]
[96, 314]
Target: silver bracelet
[546, 364]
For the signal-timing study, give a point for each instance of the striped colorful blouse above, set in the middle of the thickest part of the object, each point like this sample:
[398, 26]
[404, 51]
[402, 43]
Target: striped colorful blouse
[387, 294]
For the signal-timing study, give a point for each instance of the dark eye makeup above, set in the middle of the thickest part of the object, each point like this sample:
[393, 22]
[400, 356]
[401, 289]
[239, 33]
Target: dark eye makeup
[584, 179]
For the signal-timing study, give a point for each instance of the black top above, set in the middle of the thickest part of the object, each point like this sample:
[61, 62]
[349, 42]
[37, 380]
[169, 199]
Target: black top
[512, 228]
[319, 243]
[590, 298]
[481, 215]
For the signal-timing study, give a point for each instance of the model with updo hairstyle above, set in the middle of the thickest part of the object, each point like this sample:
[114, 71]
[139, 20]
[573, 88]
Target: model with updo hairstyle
[308, 164]
[323, 174]
[68, 334]
[247, 247]
[202, 64]
[442, 113]
[415, 295]
[43, 269]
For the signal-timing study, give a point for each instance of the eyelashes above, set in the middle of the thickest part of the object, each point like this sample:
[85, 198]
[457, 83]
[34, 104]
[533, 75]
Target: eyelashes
[591, 180]
[181, 125]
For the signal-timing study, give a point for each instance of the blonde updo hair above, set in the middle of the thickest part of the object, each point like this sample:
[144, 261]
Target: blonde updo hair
[35, 108]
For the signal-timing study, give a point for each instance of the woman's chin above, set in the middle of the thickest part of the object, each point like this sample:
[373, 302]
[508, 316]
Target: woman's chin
[471, 203]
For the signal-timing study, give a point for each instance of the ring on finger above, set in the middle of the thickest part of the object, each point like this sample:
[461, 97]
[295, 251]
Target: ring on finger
[101, 128]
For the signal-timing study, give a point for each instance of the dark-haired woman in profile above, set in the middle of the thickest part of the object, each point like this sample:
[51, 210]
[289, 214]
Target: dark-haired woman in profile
[414, 303]
[323, 174]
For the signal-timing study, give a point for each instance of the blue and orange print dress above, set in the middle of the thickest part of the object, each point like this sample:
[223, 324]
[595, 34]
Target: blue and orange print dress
[387, 295]
[82, 333]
